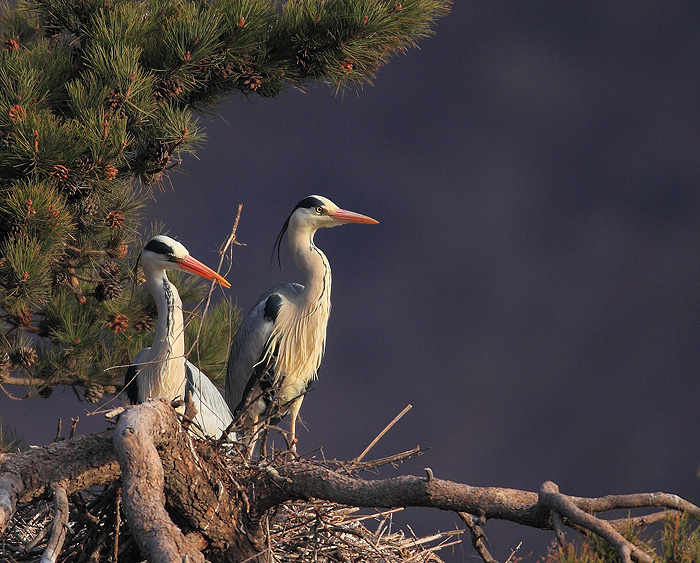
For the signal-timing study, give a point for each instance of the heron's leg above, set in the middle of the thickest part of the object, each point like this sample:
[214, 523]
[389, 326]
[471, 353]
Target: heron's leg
[254, 433]
[293, 413]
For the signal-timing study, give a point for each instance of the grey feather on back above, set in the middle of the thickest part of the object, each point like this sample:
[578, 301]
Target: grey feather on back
[249, 344]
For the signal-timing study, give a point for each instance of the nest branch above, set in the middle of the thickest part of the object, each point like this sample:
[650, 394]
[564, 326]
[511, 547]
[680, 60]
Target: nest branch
[282, 510]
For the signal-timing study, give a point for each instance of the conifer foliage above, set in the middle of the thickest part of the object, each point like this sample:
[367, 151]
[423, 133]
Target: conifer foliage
[96, 105]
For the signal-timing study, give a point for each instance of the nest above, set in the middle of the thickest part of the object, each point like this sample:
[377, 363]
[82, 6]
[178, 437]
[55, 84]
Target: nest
[329, 533]
[317, 531]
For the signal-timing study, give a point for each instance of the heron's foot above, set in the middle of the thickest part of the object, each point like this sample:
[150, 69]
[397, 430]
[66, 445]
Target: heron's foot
[291, 453]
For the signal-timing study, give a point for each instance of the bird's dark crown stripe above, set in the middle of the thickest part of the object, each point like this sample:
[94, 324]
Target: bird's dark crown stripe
[158, 247]
[309, 202]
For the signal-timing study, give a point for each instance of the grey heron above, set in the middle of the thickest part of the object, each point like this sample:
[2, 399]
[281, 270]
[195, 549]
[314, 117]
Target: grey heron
[278, 347]
[162, 369]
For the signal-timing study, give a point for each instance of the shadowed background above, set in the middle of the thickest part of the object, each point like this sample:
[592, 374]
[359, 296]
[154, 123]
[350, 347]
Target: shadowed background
[532, 288]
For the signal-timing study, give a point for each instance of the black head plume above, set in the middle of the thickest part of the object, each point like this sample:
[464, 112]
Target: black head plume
[306, 203]
[278, 242]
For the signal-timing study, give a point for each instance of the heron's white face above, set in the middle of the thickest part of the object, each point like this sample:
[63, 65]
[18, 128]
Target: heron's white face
[165, 253]
[316, 211]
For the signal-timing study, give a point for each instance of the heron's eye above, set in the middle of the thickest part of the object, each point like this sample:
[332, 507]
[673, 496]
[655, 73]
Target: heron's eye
[169, 256]
[319, 210]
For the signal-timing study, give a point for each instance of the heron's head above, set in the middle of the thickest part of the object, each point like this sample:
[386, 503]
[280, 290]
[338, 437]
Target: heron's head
[165, 253]
[314, 212]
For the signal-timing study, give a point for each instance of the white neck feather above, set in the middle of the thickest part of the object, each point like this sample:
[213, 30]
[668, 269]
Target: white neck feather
[164, 375]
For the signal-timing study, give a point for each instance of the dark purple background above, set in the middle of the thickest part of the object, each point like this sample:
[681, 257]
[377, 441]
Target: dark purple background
[533, 288]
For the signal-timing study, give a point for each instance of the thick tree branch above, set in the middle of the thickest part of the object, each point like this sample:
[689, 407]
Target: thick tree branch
[143, 487]
[79, 464]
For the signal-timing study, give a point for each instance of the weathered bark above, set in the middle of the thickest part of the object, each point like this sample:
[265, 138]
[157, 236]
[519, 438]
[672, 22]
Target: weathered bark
[202, 494]
[79, 464]
[226, 502]
[143, 483]
[58, 526]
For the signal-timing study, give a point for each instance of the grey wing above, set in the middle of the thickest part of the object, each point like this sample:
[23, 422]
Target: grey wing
[213, 414]
[249, 345]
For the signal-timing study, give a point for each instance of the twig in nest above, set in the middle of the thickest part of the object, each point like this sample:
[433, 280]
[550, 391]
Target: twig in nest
[117, 524]
[74, 423]
[58, 527]
[59, 428]
[386, 429]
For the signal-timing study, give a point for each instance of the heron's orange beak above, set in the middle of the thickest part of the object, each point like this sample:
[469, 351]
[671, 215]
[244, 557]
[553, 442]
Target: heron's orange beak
[194, 266]
[345, 216]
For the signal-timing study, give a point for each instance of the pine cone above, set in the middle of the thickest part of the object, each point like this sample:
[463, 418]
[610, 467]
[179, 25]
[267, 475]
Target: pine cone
[12, 45]
[89, 206]
[111, 172]
[109, 290]
[143, 325]
[121, 250]
[5, 364]
[115, 220]
[119, 323]
[115, 100]
[94, 393]
[169, 88]
[84, 164]
[16, 228]
[60, 276]
[17, 113]
[60, 173]
[25, 357]
[250, 79]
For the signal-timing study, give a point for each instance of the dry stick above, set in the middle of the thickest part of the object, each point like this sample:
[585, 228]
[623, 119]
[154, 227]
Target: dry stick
[551, 497]
[478, 537]
[31, 544]
[117, 524]
[59, 525]
[22, 382]
[59, 428]
[379, 436]
[513, 552]
[74, 423]
[222, 253]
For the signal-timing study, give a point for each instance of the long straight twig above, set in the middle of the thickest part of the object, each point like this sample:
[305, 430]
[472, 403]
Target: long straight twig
[386, 429]
[230, 240]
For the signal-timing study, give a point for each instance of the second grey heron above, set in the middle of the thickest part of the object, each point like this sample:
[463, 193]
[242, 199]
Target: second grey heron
[278, 348]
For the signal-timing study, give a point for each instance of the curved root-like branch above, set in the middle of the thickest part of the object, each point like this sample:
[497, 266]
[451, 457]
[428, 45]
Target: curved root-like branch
[143, 489]
[58, 526]
[562, 504]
